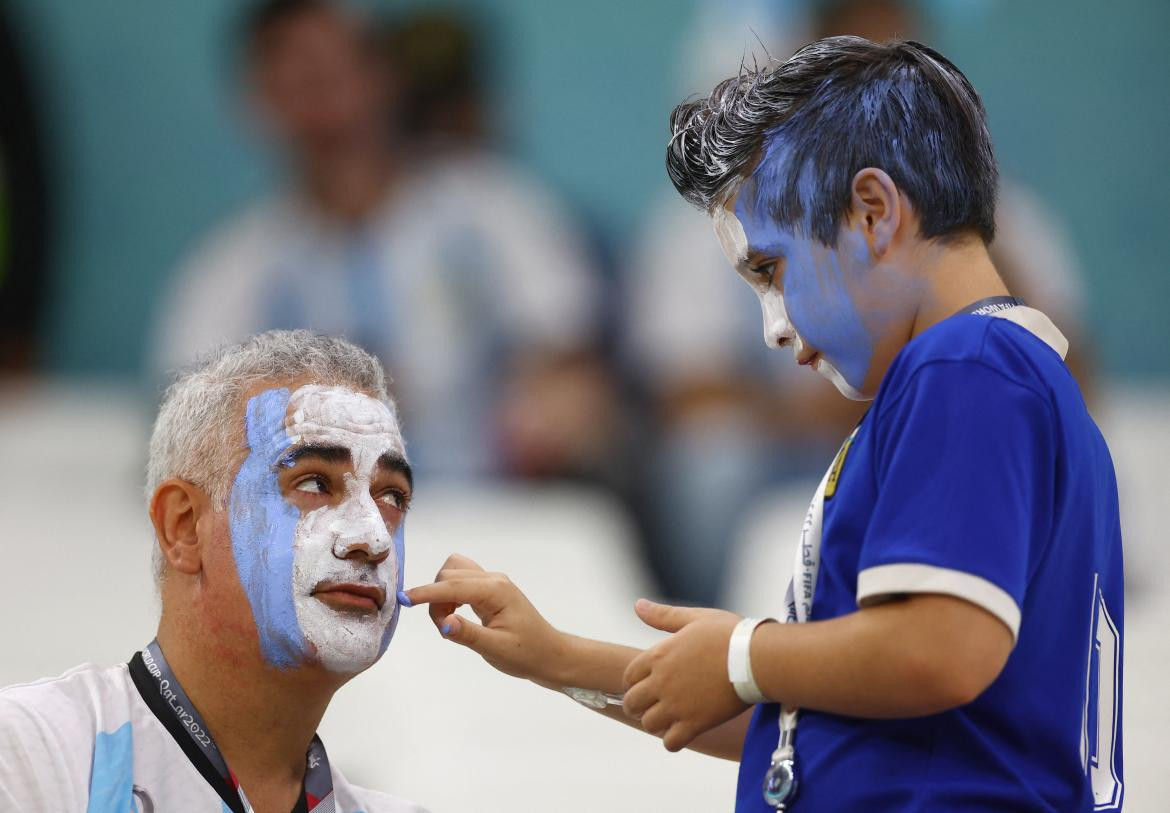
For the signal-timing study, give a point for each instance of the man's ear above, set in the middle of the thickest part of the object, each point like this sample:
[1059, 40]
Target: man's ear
[877, 207]
[175, 511]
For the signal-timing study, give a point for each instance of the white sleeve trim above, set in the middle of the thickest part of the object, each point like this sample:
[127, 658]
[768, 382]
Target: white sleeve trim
[877, 584]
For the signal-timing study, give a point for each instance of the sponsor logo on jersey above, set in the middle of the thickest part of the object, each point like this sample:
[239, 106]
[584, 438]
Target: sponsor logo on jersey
[838, 464]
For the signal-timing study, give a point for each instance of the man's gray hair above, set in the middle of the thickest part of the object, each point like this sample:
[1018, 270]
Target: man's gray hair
[199, 431]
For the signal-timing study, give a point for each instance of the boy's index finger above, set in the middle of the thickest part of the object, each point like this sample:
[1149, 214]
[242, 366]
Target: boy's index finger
[451, 591]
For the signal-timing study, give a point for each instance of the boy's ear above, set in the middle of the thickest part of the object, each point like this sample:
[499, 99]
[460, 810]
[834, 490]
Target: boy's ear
[876, 205]
[175, 510]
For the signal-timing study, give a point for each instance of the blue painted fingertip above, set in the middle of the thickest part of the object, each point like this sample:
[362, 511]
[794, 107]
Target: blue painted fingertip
[404, 599]
[446, 630]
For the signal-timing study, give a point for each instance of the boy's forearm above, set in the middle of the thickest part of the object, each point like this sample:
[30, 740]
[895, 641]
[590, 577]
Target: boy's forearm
[588, 664]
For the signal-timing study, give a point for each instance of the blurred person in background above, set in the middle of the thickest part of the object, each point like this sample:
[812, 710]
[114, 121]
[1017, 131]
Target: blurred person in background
[469, 281]
[278, 486]
[733, 422]
[24, 210]
[558, 413]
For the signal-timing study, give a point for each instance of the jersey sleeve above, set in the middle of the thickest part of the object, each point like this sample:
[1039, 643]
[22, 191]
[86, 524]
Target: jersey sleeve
[964, 462]
[38, 771]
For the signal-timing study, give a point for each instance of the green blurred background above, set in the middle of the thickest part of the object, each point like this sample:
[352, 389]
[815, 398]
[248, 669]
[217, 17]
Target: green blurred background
[147, 152]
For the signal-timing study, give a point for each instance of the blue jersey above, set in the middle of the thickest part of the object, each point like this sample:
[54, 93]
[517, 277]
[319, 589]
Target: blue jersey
[979, 473]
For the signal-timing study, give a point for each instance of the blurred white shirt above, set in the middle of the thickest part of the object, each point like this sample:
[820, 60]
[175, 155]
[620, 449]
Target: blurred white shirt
[467, 264]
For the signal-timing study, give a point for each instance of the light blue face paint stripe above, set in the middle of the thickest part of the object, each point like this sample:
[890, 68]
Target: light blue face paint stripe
[111, 778]
[263, 527]
[400, 552]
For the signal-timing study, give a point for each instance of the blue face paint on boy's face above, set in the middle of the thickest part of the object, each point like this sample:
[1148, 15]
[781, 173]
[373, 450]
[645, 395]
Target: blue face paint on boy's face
[818, 285]
[292, 562]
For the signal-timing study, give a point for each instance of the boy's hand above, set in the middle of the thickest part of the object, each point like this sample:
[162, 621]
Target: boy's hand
[679, 688]
[514, 638]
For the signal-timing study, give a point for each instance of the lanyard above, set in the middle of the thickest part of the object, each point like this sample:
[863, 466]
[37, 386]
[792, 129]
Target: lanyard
[993, 304]
[161, 691]
[780, 782]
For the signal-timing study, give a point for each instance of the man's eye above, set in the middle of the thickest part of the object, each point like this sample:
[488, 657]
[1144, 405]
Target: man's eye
[312, 485]
[394, 499]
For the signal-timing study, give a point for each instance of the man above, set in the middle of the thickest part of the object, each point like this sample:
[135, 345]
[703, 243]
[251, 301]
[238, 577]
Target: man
[468, 278]
[278, 486]
[959, 584]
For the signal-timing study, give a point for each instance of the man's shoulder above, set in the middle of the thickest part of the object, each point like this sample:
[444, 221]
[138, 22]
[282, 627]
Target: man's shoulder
[82, 697]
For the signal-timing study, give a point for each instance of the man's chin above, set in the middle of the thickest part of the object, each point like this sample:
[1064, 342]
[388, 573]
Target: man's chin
[344, 640]
[345, 663]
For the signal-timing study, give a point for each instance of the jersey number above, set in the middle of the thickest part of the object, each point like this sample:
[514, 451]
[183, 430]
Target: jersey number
[1102, 710]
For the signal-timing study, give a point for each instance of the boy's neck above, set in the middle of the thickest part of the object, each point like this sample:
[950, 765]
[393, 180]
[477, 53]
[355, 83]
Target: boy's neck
[956, 275]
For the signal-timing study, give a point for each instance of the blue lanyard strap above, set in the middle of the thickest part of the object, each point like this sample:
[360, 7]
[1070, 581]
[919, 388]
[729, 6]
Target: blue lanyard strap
[993, 304]
[164, 695]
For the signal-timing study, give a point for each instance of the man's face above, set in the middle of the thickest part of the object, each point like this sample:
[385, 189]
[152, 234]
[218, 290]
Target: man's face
[317, 520]
[835, 306]
[316, 81]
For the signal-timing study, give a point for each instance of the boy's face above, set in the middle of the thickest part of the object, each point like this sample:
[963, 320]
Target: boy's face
[844, 314]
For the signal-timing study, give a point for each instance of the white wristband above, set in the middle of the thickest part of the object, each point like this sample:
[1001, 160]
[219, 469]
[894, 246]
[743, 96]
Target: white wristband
[739, 661]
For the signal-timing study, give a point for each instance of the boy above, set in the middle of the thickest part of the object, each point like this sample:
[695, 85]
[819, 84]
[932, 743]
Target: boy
[959, 579]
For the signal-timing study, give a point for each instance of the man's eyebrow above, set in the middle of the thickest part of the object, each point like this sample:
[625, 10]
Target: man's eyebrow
[324, 454]
[393, 461]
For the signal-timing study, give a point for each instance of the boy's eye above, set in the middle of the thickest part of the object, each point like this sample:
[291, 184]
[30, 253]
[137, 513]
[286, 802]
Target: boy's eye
[765, 271]
[312, 485]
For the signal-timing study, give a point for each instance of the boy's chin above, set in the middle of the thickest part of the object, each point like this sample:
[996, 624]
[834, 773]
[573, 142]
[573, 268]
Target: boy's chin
[844, 387]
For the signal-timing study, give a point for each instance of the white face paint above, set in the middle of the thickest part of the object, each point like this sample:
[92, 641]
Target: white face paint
[777, 326]
[326, 538]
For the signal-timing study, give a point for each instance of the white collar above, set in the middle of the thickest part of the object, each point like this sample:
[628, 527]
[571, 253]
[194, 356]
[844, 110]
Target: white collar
[1038, 324]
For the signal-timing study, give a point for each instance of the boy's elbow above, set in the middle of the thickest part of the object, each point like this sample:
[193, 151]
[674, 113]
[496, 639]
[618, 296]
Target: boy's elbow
[939, 682]
[951, 667]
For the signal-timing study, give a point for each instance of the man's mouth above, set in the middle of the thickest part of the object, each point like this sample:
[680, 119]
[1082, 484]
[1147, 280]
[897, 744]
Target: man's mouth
[350, 596]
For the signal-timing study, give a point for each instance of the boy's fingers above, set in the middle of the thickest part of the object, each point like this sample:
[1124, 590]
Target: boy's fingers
[468, 633]
[666, 617]
[454, 591]
[449, 573]
[439, 611]
[637, 671]
[677, 737]
[638, 700]
[457, 561]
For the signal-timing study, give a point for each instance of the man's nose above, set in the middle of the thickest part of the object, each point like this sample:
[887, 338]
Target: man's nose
[360, 530]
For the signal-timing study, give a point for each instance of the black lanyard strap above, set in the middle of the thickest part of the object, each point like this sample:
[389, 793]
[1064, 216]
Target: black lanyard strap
[164, 695]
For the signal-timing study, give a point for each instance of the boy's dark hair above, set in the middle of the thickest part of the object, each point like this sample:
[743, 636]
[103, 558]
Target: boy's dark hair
[804, 128]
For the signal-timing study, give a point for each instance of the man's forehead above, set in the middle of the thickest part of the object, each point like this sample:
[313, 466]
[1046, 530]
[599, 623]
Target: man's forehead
[341, 415]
